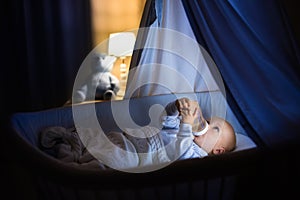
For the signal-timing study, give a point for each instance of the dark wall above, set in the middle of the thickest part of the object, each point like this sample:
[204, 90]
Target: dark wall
[293, 12]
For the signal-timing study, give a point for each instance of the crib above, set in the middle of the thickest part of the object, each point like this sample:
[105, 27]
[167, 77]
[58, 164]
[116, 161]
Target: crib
[228, 176]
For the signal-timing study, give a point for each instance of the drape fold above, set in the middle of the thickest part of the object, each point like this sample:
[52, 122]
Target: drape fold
[256, 53]
[254, 49]
[45, 43]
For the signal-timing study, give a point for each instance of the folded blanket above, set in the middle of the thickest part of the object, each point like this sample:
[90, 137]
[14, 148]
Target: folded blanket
[91, 148]
[65, 145]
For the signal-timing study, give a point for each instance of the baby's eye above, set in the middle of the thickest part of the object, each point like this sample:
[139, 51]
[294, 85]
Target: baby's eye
[216, 128]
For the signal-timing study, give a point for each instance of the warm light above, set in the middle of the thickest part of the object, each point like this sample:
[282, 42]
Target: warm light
[121, 45]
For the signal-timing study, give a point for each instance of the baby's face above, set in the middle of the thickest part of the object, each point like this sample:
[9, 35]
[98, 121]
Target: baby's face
[217, 137]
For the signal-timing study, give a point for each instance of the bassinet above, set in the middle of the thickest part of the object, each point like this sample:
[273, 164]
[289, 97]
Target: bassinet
[247, 173]
[215, 177]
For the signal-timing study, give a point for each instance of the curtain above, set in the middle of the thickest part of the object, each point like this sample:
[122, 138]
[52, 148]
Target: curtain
[148, 17]
[171, 60]
[45, 42]
[254, 48]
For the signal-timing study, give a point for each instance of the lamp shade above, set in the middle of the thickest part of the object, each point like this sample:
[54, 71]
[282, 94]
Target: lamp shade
[121, 44]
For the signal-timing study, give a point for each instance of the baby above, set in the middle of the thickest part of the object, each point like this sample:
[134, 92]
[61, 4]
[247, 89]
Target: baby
[185, 134]
[214, 136]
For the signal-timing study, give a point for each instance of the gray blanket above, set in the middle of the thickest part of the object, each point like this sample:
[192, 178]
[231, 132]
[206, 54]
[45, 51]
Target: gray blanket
[65, 145]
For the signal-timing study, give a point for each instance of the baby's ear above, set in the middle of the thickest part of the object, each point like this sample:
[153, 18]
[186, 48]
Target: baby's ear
[218, 150]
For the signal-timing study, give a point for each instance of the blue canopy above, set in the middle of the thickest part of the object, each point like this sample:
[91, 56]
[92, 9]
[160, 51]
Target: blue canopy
[253, 46]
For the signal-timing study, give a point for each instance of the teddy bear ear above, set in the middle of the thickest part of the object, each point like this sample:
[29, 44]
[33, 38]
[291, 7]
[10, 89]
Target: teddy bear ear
[108, 61]
[98, 55]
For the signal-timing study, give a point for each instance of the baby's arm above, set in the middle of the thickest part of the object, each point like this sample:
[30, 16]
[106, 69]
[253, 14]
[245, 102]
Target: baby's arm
[181, 147]
[174, 109]
[171, 119]
[177, 111]
[189, 111]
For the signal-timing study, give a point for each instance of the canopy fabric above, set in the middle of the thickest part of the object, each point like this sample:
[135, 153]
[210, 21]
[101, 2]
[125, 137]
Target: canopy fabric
[256, 53]
[254, 50]
[172, 60]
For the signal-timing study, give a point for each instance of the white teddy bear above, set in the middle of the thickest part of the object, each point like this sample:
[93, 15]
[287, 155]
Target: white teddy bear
[100, 84]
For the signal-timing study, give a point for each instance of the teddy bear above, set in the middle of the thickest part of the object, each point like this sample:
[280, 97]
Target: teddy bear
[100, 83]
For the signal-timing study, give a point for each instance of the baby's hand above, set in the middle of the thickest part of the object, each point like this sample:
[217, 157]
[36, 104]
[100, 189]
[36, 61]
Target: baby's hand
[188, 110]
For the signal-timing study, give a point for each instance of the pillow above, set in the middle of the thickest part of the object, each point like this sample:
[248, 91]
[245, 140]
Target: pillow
[243, 142]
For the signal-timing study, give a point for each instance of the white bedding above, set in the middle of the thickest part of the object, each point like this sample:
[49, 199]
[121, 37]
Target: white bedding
[147, 152]
[243, 142]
